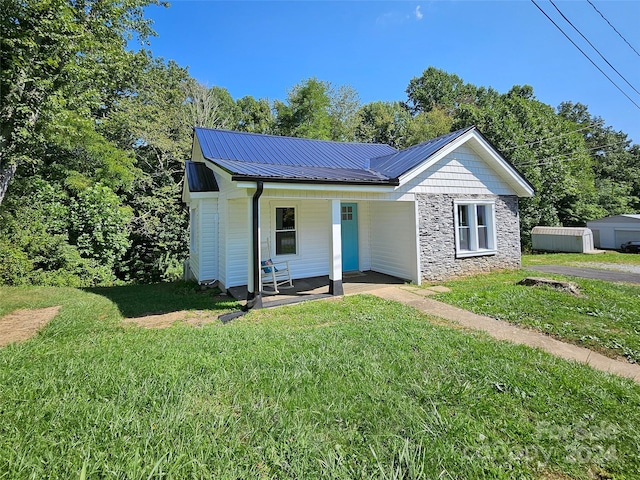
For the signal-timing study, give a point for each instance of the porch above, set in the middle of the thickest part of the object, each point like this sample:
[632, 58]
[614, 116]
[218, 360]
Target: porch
[313, 288]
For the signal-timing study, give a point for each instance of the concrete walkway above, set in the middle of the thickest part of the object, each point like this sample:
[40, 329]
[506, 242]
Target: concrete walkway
[595, 273]
[418, 298]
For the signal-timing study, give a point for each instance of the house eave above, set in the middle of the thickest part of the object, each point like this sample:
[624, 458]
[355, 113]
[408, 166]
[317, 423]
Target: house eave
[321, 184]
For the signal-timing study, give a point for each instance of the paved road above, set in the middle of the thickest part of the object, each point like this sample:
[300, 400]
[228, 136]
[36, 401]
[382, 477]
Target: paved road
[595, 273]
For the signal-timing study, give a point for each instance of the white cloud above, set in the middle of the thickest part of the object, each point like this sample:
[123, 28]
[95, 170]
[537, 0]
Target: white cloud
[419, 14]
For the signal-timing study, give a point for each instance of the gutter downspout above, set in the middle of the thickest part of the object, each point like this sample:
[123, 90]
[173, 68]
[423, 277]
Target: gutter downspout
[254, 298]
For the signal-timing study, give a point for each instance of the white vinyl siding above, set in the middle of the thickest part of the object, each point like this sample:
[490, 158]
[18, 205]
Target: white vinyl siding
[393, 239]
[474, 228]
[460, 172]
[237, 246]
[194, 254]
[208, 240]
[312, 235]
[364, 235]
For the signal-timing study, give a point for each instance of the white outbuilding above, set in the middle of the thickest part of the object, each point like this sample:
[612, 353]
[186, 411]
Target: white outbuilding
[562, 239]
[611, 232]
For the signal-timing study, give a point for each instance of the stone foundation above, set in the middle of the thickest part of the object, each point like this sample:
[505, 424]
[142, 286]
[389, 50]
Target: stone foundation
[437, 237]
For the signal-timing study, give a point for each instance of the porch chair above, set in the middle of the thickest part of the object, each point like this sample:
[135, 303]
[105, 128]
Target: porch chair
[274, 274]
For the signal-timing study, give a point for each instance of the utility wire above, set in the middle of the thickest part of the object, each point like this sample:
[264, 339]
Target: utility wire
[552, 138]
[592, 46]
[614, 28]
[537, 162]
[585, 55]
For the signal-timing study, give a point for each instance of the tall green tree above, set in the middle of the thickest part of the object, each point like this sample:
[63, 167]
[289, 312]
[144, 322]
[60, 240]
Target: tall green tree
[306, 112]
[436, 88]
[59, 56]
[615, 160]
[316, 109]
[548, 149]
[255, 116]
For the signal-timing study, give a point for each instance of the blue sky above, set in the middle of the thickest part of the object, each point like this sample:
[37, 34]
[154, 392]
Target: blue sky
[263, 48]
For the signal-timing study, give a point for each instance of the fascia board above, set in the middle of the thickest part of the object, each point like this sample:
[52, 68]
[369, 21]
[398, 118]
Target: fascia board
[320, 187]
[201, 195]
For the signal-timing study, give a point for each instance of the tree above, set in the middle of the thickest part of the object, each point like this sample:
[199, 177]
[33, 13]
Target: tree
[59, 56]
[546, 148]
[255, 115]
[306, 113]
[383, 122]
[439, 89]
[615, 160]
[209, 107]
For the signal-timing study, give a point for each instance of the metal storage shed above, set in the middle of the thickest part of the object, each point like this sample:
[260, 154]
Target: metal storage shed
[562, 239]
[611, 232]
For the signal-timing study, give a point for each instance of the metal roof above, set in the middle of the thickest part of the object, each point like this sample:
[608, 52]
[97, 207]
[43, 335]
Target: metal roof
[254, 156]
[200, 178]
[562, 231]
[300, 172]
[397, 163]
[275, 150]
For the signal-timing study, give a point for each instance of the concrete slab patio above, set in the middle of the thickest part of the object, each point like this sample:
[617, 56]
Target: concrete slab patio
[418, 298]
[315, 288]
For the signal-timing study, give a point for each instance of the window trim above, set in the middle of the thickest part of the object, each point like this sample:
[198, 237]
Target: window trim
[474, 250]
[296, 219]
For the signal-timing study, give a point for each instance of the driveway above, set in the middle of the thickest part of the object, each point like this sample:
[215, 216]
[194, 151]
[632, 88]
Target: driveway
[595, 273]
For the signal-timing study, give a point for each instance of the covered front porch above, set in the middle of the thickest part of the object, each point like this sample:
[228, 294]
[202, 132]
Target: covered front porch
[313, 288]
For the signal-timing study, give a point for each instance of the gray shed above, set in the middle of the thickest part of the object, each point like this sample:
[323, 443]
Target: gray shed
[562, 239]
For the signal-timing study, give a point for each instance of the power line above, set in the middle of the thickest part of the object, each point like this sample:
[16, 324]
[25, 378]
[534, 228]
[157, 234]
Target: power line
[614, 28]
[592, 46]
[554, 137]
[537, 162]
[585, 55]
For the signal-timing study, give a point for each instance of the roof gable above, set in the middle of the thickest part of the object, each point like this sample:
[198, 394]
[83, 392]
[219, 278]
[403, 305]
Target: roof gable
[395, 164]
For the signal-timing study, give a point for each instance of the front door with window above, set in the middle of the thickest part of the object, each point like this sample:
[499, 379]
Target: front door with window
[349, 222]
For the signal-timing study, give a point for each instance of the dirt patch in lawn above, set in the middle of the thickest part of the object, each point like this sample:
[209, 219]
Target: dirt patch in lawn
[23, 324]
[196, 318]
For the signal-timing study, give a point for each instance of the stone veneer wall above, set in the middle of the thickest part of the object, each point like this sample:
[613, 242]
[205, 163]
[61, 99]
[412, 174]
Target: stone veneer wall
[437, 241]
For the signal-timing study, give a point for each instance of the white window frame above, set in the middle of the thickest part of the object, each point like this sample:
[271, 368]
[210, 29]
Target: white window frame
[296, 219]
[474, 250]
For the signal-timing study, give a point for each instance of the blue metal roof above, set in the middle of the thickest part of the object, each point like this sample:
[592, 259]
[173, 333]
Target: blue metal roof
[401, 162]
[255, 156]
[200, 178]
[274, 150]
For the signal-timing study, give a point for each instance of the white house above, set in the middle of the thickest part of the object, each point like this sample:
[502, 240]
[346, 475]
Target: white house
[611, 232]
[442, 208]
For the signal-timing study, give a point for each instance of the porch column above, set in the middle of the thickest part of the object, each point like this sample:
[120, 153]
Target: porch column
[335, 249]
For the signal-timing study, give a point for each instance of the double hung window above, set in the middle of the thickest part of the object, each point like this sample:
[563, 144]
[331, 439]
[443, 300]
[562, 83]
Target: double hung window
[286, 232]
[474, 228]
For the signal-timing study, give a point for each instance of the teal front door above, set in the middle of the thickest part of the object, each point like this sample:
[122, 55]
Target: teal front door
[349, 222]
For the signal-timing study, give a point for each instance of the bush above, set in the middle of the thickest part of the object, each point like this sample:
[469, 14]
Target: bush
[15, 266]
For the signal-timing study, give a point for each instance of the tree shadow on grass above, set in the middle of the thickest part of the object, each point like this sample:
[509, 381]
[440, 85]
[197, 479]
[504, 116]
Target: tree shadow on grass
[141, 300]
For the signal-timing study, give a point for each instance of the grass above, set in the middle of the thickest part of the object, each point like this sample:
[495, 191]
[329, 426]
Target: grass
[606, 318]
[571, 259]
[351, 388]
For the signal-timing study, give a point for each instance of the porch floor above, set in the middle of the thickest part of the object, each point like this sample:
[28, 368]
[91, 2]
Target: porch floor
[313, 288]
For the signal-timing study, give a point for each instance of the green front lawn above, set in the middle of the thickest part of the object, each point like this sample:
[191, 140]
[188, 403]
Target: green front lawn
[605, 318]
[350, 388]
[574, 259]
